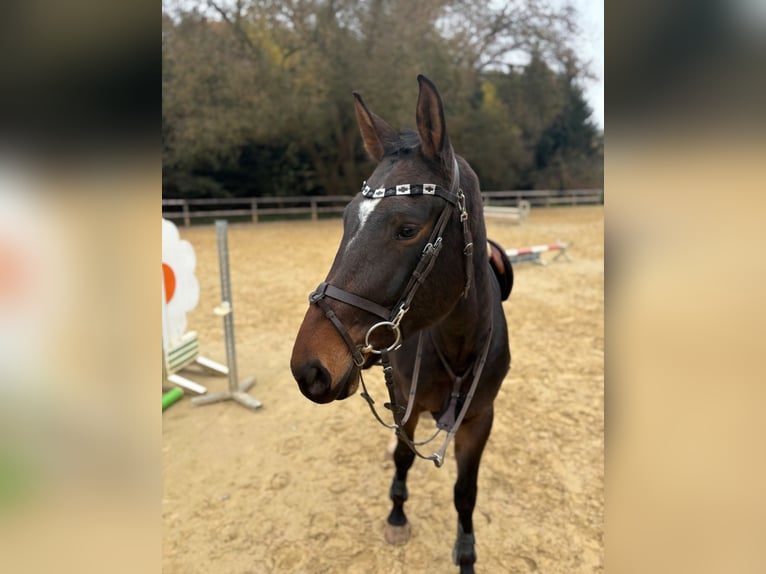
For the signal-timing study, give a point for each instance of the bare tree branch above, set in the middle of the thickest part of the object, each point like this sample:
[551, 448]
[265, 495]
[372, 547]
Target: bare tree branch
[235, 24]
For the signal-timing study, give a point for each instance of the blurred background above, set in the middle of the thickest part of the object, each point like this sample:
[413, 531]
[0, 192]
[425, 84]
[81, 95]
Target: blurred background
[255, 99]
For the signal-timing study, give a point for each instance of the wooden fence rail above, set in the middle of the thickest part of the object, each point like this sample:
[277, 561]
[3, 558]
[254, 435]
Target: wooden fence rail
[255, 209]
[540, 197]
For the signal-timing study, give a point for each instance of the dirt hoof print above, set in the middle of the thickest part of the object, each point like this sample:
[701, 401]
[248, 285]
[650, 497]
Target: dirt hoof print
[290, 445]
[397, 535]
[279, 481]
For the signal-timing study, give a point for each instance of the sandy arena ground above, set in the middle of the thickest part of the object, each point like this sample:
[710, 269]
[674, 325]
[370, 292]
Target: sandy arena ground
[299, 488]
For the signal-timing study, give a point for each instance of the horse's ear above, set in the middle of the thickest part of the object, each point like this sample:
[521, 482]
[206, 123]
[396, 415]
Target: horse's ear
[430, 118]
[377, 135]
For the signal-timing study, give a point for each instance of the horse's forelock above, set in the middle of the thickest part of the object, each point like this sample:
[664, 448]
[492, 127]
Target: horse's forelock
[408, 139]
[407, 142]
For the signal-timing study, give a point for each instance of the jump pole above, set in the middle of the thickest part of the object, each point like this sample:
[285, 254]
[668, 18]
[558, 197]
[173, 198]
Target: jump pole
[171, 397]
[180, 348]
[237, 391]
[532, 254]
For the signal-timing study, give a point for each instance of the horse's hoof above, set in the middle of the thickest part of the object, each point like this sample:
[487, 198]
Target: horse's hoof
[397, 535]
[463, 552]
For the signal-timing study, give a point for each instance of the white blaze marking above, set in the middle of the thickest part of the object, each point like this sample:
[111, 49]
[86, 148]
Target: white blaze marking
[366, 207]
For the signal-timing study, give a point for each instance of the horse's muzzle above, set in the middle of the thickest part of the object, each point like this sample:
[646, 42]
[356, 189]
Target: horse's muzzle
[315, 382]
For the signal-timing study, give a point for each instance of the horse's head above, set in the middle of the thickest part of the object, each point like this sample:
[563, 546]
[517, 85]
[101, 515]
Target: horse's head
[408, 206]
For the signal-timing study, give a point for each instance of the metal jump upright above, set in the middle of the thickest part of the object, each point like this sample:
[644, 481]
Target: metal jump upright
[237, 391]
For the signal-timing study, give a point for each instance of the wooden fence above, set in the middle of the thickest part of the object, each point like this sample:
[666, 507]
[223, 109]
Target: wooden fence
[253, 209]
[257, 209]
[544, 197]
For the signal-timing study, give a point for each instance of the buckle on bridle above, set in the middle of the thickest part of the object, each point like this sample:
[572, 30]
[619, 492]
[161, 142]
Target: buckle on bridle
[461, 205]
[319, 293]
[433, 248]
[400, 315]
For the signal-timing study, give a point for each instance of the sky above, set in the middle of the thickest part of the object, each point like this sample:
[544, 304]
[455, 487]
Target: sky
[590, 47]
[591, 44]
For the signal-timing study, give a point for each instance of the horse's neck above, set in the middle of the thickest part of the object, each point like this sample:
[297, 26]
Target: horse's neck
[463, 331]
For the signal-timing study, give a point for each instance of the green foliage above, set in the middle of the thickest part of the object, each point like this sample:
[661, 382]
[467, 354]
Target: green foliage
[568, 153]
[257, 95]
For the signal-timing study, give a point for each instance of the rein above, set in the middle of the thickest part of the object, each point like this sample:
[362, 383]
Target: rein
[391, 318]
[450, 426]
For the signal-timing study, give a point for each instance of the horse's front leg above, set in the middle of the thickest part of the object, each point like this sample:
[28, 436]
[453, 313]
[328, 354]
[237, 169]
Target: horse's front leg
[397, 528]
[469, 445]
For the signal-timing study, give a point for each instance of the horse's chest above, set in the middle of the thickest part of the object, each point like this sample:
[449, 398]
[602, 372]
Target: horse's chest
[435, 392]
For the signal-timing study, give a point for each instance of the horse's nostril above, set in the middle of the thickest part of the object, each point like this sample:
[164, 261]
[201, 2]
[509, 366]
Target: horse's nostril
[314, 380]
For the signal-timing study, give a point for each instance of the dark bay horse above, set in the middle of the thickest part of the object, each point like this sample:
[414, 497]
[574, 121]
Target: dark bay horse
[412, 287]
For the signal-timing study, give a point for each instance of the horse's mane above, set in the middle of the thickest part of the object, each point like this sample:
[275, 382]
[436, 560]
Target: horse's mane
[407, 140]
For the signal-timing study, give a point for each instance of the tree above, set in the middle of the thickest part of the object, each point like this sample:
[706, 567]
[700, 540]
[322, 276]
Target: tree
[257, 95]
[569, 154]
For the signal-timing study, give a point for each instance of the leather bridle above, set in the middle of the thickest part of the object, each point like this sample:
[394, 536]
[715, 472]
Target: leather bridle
[391, 318]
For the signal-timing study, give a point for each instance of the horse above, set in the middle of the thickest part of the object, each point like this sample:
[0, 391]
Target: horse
[415, 287]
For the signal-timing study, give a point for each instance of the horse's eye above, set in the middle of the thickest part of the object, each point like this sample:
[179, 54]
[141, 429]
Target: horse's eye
[406, 232]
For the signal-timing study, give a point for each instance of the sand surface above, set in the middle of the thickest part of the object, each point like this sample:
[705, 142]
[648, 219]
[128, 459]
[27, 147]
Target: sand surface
[302, 488]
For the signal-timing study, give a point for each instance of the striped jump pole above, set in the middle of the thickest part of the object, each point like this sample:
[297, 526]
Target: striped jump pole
[532, 254]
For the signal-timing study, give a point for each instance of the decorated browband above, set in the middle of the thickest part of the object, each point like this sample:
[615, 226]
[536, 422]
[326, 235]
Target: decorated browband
[409, 189]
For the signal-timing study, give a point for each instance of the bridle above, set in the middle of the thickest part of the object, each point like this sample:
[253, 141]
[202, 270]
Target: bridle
[391, 318]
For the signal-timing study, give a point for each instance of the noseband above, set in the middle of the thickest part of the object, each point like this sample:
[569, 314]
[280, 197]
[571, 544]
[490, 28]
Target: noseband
[391, 318]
